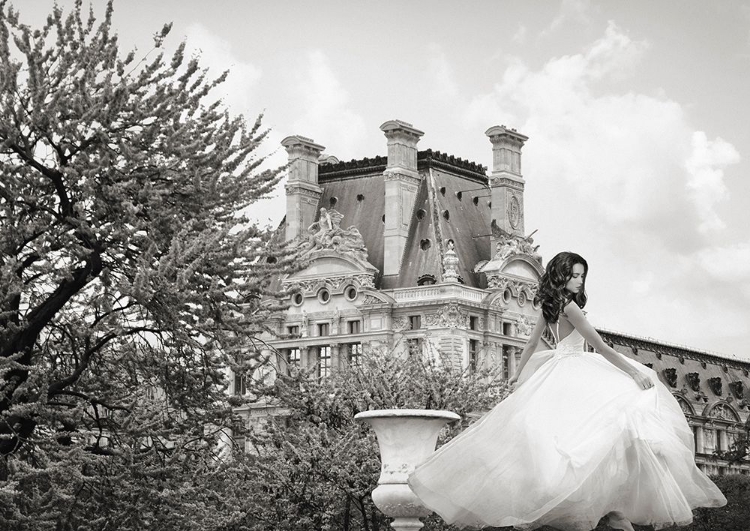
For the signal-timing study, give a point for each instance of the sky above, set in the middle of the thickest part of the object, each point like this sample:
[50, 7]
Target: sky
[637, 115]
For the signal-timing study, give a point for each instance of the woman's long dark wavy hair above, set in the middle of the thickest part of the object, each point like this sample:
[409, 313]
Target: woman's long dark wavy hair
[551, 295]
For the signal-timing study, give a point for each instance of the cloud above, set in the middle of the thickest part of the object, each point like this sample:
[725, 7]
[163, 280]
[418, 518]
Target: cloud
[519, 37]
[706, 177]
[217, 54]
[576, 11]
[327, 116]
[443, 85]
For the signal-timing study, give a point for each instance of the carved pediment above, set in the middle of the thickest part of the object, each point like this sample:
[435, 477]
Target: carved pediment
[330, 269]
[723, 411]
[376, 297]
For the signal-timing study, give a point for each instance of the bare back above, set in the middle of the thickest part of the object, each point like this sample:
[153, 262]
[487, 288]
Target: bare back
[563, 326]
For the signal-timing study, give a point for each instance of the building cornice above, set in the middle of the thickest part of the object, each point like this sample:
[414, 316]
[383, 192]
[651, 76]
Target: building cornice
[436, 159]
[670, 349]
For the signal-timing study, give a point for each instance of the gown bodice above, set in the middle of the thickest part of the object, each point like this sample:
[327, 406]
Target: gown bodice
[573, 343]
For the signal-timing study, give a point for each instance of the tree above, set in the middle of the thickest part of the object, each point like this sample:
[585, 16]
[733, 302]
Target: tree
[316, 467]
[129, 280]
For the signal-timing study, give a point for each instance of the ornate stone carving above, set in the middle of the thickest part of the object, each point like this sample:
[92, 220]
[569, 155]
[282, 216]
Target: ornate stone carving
[685, 407]
[335, 284]
[369, 299]
[449, 316]
[723, 412]
[326, 233]
[510, 244]
[670, 375]
[738, 389]
[304, 189]
[514, 211]
[708, 439]
[450, 263]
[503, 181]
[715, 385]
[694, 380]
[524, 326]
[393, 175]
[400, 323]
[497, 282]
[304, 327]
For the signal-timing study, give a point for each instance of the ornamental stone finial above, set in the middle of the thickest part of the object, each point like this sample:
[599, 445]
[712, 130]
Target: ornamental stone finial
[450, 263]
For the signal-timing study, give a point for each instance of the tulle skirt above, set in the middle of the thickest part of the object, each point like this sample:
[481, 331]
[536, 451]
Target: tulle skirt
[577, 439]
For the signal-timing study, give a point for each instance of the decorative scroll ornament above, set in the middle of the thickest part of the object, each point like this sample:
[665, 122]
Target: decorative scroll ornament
[694, 380]
[671, 376]
[738, 388]
[497, 282]
[450, 263]
[509, 244]
[715, 385]
[326, 233]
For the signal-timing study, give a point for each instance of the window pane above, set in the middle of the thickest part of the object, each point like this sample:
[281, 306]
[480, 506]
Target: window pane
[324, 365]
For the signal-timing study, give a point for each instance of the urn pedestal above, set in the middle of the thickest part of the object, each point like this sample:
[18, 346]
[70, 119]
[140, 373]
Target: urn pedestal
[406, 438]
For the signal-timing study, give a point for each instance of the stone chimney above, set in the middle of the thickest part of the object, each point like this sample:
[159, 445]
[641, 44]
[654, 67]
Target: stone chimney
[401, 184]
[302, 190]
[506, 182]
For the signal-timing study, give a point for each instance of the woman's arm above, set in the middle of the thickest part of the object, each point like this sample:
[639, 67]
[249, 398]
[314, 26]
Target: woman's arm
[577, 319]
[528, 350]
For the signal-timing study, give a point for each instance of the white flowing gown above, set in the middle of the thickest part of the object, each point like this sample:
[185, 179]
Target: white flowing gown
[576, 440]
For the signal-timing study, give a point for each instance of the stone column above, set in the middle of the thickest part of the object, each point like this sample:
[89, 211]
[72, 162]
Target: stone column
[302, 190]
[512, 361]
[401, 183]
[721, 435]
[699, 441]
[506, 182]
[335, 357]
[304, 357]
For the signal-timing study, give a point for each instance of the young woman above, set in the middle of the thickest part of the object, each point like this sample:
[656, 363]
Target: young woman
[583, 435]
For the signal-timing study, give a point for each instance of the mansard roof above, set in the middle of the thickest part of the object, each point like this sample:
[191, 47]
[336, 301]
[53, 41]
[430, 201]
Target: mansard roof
[452, 203]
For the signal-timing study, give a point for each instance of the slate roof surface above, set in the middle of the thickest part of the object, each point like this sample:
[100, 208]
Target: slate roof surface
[361, 200]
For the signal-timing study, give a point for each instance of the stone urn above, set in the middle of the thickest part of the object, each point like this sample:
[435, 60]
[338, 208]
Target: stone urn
[406, 438]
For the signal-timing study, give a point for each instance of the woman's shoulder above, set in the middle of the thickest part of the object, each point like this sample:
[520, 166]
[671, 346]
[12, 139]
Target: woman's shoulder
[572, 308]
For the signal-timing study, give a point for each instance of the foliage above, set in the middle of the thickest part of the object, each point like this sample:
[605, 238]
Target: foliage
[319, 466]
[735, 515]
[128, 279]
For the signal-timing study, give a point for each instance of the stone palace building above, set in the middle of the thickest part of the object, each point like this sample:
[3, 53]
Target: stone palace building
[419, 252]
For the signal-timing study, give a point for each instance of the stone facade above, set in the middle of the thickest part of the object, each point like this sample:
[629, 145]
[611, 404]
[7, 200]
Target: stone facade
[435, 259]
